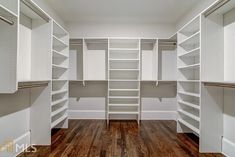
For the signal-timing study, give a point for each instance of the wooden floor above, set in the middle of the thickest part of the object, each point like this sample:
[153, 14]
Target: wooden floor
[123, 139]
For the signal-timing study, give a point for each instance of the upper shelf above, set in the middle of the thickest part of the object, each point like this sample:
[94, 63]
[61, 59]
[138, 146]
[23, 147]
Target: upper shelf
[33, 11]
[224, 84]
[59, 31]
[9, 6]
[191, 28]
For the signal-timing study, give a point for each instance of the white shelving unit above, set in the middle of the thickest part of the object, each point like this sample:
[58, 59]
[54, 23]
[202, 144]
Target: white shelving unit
[123, 78]
[189, 86]
[60, 77]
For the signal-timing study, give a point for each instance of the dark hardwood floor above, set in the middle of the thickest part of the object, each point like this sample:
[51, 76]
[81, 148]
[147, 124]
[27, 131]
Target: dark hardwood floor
[91, 138]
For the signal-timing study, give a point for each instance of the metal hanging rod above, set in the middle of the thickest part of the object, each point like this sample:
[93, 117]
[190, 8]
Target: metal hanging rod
[34, 85]
[35, 9]
[6, 20]
[215, 7]
[223, 85]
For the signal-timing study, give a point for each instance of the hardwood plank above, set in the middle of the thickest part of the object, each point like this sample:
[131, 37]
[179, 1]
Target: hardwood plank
[92, 138]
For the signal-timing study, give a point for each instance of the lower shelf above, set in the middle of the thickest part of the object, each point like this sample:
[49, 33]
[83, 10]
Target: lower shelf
[122, 112]
[193, 128]
[56, 122]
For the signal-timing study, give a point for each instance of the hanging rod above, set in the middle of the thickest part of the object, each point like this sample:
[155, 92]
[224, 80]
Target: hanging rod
[6, 20]
[35, 9]
[215, 7]
[223, 85]
[33, 85]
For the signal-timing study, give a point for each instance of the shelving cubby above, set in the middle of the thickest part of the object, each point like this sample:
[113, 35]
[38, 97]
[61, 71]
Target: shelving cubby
[123, 78]
[34, 59]
[8, 46]
[60, 77]
[189, 85]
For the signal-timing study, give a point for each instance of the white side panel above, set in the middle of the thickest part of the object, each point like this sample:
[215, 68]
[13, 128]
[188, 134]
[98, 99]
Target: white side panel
[211, 130]
[72, 65]
[95, 65]
[229, 55]
[229, 118]
[8, 57]
[24, 60]
[169, 64]
[147, 65]
[40, 125]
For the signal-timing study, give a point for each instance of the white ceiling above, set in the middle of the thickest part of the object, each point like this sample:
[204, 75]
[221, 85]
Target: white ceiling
[148, 11]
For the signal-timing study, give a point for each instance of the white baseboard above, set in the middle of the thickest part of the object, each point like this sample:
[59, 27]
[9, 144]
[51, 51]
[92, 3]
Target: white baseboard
[19, 145]
[100, 114]
[159, 115]
[86, 114]
[228, 148]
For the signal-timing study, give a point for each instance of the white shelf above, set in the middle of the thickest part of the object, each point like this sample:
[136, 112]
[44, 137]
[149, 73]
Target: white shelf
[123, 105]
[122, 80]
[56, 122]
[59, 91]
[59, 54]
[59, 101]
[189, 114]
[124, 60]
[193, 66]
[189, 94]
[124, 69]
[193, 53]
[123, 97]
[59, 67]
[7, 12]
[193, 128]
[122, 112]
[59, 31]
[128, 90]
[59, 80]
[190, 81]
[191, 39]
[190, 104]
[123, 49]
[58, 42]
[61, 109]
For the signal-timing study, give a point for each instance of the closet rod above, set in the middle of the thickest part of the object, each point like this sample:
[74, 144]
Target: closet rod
[35, 9]
[32, 85]
[215, 7]
[6, 20]
[220, 85]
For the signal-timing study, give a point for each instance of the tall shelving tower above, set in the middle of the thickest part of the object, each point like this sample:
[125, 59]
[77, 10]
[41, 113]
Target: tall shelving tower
[123, 78]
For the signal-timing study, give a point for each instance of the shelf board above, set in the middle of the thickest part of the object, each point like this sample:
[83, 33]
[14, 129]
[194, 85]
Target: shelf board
[190, 115]
[193, 128]
[193, 66]
[123, 60]
[193, 105]
[56, 122]
[124, 69]
[123, 105]
[58, 42]
[58, 30]
[59, 110]
[6, 12]
[223, 84]
[123, 80]
[59, 54]
[124, 90]
[59, 67]
[123, 97]
[189, 94]
[59, 91]
[58, 80]
[190, 81]
[190, 39]
[59, 101]
[122, 112]
[193, 53]
[123, 49]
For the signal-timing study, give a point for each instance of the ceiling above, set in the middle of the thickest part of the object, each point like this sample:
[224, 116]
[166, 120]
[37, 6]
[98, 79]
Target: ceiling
[146, 11]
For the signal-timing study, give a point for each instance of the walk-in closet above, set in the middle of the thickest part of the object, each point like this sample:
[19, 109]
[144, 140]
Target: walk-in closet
[117, 78]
